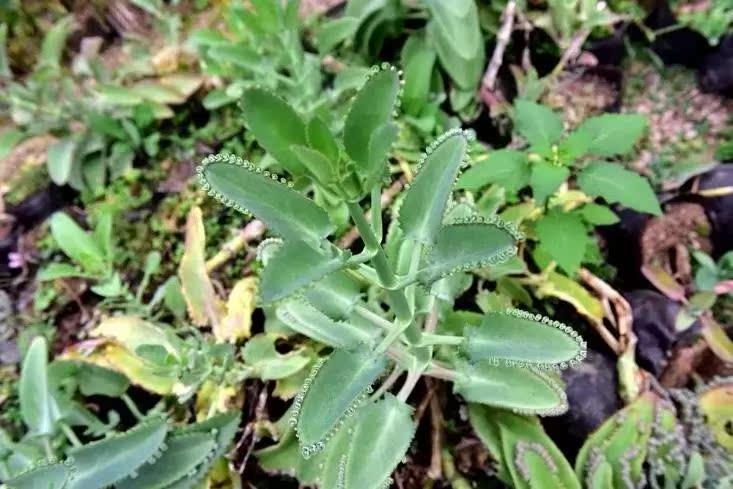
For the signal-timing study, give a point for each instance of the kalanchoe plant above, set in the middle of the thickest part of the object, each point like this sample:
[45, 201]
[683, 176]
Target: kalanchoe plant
[509, 360]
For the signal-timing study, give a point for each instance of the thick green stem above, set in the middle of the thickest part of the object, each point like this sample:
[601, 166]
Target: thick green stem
[70, 435]
[439, 339]
[132, 407]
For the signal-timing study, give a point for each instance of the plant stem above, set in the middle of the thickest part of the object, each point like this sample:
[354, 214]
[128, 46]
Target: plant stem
[4, 472]
[388, 382]
[413, 377]
[440, 339]
[70, 435]
[132, 407]
[374, 318]
[47, 447]
[440, 372]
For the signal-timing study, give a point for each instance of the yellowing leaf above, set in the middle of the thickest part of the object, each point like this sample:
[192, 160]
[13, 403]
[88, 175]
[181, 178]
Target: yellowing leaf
[132, 332]
[203, 305]
[238, 320]
[717, 404]
[213, 398]
[567, 290]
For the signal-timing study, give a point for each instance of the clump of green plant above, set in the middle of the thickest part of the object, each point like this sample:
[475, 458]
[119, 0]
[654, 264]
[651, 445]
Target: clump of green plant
[152, 454]
[379, 309]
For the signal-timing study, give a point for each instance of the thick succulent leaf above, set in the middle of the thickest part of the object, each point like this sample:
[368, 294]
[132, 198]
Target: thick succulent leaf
[304, 318]
[455, 33]
[239, 184]
[334, 390]
[523, 390]
[333, 469]
[519, 338]
[284, 458]
[382, 435]
[293, 266]
[322, 169]
[184, 453]
[320, 139]
[276, 126]
[261, 354]
[422, 209]
[527, 457]
[418, 61]
[203, 305]
[103, 463]
[52, 476]
[37, 406]
[467, 244]
[371, 109]
[335, 295]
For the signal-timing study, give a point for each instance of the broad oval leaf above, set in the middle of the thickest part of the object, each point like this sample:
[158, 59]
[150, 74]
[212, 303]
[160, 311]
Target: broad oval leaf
[239, 184]
[292, 267]
[382, 435]
[519, 338]
[371, 109]
[523, 390]
[51, 476]
[76, 243]
[421, 212]
[60, 159]
[506, 167]
[37, 405]
[614, 183]
[103, 463]
[315, 163]
[539, 125]
[276, 126]
[309, 321]
[467, 244]
[184, 453]
[320, 138]
[564, 237]
[334, 390]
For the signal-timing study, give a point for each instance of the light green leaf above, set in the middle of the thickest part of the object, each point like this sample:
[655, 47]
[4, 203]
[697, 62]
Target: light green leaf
[309, 321]
[4, 59]
[539, 125]
[52, 476]
[609, 134]
[103, 463]
[276, 127]
[54, 271]
[286, 212]
[519, 338]
[371, 110]
[598, 215]
[315, 163]
[37, 406]
[76, 243]
[506, 167]
[335, 31]
[546, 178]
[260, 353]
[614, 183]
[524, 390]
[564, 237]
[422, 209]
[418, 60]
[54, 42]
[293, 266]
[335, 389]
[320, 139]
[382, 435]
[468, 244]
[60, 160]
[335, 295]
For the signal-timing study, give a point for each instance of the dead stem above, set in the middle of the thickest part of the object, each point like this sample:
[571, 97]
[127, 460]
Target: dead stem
[502, 39]
[251, 232]
[435, 471]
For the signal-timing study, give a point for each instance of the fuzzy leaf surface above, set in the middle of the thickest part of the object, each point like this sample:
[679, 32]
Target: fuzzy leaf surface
[422, 209]
[309, 321]
[614, 183]
[339, 385]
[523, 390]
[285, 211]
[464, 246]
[515, 338]
[52, 476]
[103, 463]
[276, 127]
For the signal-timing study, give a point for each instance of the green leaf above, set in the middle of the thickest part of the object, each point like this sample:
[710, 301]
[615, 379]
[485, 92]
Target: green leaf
[335, 295]
[614, 183]
[292, 267]
[382, 435]
[546, 178]
[468, 244]
[54, 42]
[4, 61]
[320, 138]
[418, 60]
[76, 243]
[506, 167]
[519, 338]
[52, 476]
[539, 125]
[609, 134]
[455, 33]
[54, 271]
[276, 127]
[519, 389]
[60, 160]
[309, 321]
[94, 380]
[103, 463]
[183, 455]
[371, 110]
[422, 209]
[598, 215]
[286, 212]
[564, 237]
[335, 389]
[524, 451]
[37, 405]
[315, 163]
[334, 32]
[260, 353]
